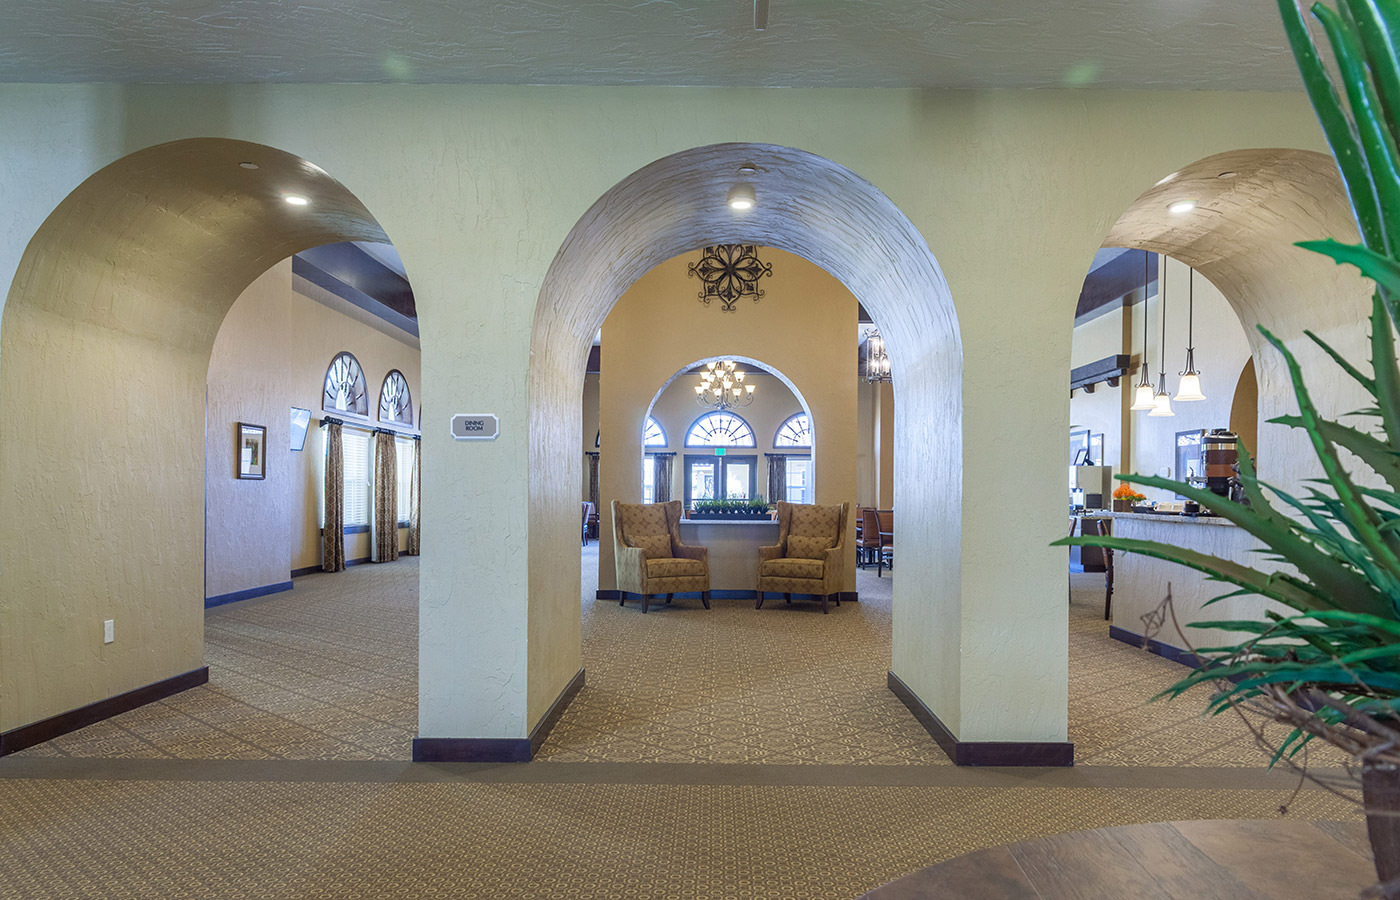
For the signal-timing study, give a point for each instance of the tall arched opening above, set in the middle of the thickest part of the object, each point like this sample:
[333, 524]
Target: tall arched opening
[819, 210]
[1216, 239]
[111, 319]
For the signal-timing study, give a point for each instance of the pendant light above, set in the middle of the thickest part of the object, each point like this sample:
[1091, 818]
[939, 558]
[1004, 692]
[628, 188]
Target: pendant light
[1144, 398]
[1190, 387]
[1162, 402]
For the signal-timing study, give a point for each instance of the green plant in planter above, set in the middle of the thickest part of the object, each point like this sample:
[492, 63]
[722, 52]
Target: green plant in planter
[1331, 667]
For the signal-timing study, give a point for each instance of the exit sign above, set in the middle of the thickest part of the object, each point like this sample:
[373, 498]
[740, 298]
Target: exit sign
[719, 451]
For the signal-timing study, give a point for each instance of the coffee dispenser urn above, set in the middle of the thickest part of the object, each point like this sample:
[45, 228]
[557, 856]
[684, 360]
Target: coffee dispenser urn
[1221, 452]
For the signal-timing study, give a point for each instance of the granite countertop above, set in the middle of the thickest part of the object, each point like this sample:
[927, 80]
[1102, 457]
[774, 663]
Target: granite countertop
[1171, 518]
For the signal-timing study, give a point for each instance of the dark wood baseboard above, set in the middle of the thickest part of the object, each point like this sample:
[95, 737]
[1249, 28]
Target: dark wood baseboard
[556, 710]
[479, 750]
[235, 596]
[981, 753]
[1152, 645]
[65, 723]
[306, 570]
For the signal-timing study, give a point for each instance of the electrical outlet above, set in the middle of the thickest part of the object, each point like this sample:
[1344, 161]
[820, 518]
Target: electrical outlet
[109, 630]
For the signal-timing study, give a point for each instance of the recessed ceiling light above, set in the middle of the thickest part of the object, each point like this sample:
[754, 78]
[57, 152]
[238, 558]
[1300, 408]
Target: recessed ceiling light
[748, 169]
[248, 165]
[1168, 178]
[741, 196]
[1181, 206]
[1227, 174]
[296, 199]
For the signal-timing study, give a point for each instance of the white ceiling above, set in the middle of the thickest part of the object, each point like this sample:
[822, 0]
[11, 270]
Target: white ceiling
[1183, 44]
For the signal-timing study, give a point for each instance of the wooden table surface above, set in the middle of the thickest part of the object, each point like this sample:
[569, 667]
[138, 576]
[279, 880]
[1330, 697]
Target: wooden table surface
[1278, 859]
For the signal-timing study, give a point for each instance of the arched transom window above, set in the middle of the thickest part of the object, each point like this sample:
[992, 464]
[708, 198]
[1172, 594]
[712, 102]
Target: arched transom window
[395, 403]
[720, 429]
[345, 387]
[653, 435]
[795, 432]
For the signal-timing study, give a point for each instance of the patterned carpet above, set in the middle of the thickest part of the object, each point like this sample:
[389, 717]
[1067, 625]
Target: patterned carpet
[329, 672]
[280, 779]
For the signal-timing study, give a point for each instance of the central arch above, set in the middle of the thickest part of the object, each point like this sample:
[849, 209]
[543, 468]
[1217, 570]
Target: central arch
[817, 209]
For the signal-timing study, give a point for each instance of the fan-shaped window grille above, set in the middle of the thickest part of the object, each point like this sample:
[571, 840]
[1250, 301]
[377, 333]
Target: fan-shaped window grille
[395, 403]
[653, 435]
[720, 429]
[345, 387]
[795, 432]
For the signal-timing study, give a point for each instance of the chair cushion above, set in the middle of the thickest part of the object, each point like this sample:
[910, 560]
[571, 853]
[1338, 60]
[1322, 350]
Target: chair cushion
[792, 568]
[674, 568]
[814, 521]
[653, 545]
[803, 547]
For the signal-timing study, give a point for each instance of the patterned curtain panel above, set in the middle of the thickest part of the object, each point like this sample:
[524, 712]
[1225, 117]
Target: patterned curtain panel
[662, 476]
[593, 481]
[777, 477]
[333, 535]
[385, 519]
[411, 546]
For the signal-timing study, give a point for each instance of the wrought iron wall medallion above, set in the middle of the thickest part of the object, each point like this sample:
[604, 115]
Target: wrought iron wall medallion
[730, 271]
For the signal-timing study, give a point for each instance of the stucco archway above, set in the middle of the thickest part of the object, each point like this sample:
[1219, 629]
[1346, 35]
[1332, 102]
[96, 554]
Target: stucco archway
[1251, 208]
[817, 209]
[110, 320]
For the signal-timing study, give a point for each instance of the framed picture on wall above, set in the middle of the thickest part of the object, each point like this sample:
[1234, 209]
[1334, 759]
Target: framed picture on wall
[252, 451]
[301, 420]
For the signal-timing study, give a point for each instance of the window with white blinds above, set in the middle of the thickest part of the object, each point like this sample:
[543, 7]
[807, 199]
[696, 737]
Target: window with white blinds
[403, 459]
[355, 445]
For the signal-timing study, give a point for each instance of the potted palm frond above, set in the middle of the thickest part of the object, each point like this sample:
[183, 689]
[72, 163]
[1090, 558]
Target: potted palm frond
[1330, 666]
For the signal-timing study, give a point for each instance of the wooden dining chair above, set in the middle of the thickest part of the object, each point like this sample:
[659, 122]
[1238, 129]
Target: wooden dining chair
[884, 555]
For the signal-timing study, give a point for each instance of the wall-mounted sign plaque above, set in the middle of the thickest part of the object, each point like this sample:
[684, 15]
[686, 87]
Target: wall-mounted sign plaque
[475, 427]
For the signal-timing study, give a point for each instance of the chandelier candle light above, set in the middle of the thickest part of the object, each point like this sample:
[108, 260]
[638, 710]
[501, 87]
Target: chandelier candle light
[877, 361]
[722, 386]
[1190, 387]
[1144, 398]
[1162, 402]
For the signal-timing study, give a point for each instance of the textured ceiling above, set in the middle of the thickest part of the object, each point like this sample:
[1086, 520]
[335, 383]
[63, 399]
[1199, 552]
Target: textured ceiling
[1186, 44]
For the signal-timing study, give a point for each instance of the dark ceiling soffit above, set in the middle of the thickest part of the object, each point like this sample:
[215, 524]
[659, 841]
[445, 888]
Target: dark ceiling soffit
[365, 274]
[595, 360]
[1113, 283]
[863, 317]
[1109, 369]
[319, 277]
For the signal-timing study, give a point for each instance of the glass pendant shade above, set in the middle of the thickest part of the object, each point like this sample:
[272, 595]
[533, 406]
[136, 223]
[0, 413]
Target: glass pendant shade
[1190, 388]
[1144, 399]
[1162, 405]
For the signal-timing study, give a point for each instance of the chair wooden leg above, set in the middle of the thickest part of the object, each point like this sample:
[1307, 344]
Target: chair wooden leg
[837, 598]
[787, 597]
[622, 599]
[646, 602]
[668, 599]
[759, 604]
[705, 598]
[824, 599]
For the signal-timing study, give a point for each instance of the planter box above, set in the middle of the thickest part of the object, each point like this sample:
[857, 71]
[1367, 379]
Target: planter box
[1122, 506]
[730, 517]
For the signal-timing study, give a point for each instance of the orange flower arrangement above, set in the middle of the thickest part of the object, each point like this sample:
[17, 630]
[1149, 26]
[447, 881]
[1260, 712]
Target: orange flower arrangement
[1124, 492]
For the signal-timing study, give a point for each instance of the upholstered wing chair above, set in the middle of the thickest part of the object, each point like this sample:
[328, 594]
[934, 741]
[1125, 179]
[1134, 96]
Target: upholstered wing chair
[650, 557]
[810, 556]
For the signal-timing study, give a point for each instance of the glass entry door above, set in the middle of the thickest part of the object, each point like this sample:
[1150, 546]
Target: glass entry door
[719, 478]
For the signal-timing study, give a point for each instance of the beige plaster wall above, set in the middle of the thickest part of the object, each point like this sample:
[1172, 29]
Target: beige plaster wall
[480, 187]
[271, 354]
[801, 329]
